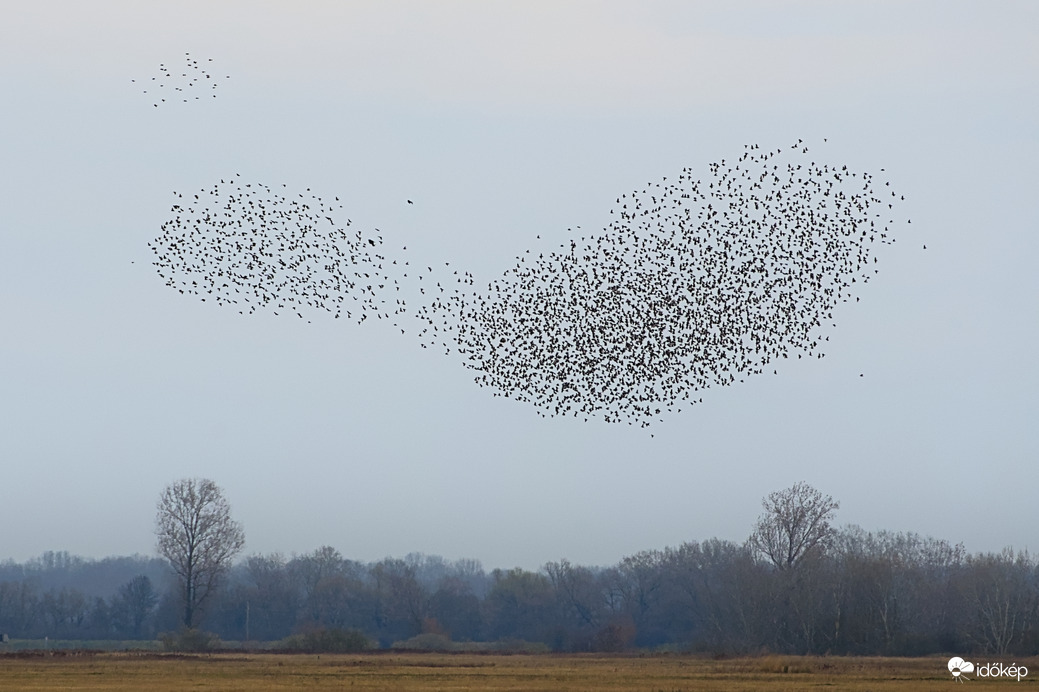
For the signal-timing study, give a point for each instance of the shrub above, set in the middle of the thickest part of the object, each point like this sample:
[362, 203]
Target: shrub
[614, 637]
[189, 640]
[430, 641]
[519, 646]
[328, 640]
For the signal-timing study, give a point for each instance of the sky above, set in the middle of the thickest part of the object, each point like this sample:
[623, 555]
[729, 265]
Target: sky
[503, 122]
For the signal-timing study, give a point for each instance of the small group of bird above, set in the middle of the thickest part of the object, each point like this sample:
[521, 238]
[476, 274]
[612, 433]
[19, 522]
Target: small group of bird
[188, 83]
[700, 280]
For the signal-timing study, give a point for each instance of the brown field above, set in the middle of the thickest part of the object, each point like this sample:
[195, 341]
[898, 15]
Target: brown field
[429, 671]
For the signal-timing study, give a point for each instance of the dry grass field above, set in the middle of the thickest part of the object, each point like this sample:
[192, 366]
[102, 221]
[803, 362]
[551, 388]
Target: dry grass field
[421, 671]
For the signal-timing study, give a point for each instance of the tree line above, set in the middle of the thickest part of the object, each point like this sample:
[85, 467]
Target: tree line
[796, 585]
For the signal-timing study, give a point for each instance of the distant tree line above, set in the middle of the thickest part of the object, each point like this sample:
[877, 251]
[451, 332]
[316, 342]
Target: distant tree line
[797, 585]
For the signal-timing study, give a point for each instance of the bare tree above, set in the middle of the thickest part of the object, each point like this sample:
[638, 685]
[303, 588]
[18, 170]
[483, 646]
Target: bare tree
[796, 522]
[998, 585]
[198, 537]
[134, 603]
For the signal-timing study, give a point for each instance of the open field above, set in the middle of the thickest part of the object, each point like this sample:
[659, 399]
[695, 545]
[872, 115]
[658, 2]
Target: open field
[428, 671]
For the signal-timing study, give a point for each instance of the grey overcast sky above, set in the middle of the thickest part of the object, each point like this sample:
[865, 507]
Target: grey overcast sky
[503, 121]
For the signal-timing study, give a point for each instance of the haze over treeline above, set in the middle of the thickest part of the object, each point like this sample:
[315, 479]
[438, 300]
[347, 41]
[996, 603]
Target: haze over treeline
[856, 592]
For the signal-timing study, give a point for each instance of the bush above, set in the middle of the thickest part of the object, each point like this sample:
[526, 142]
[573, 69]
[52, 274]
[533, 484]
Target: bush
[430, 641]
[328, 640]
[519, 646]
[189, 640]
[614, 637]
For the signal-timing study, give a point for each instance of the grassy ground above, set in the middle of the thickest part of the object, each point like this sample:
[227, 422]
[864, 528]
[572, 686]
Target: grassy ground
[72, 670]
[88, 644]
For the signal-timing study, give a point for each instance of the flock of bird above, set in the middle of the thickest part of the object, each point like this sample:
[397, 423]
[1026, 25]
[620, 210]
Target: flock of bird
[182, 83]
[698, 281]
[250, 246]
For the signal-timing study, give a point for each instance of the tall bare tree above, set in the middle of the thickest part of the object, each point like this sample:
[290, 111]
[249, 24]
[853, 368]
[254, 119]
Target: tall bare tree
[796, 522]
[198, 537]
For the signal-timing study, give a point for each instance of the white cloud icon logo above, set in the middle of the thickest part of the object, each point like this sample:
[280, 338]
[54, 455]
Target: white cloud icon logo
[958, 666]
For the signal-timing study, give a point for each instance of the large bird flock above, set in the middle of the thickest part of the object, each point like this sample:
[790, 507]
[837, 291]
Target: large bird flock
[697, 281]
[701, 279]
